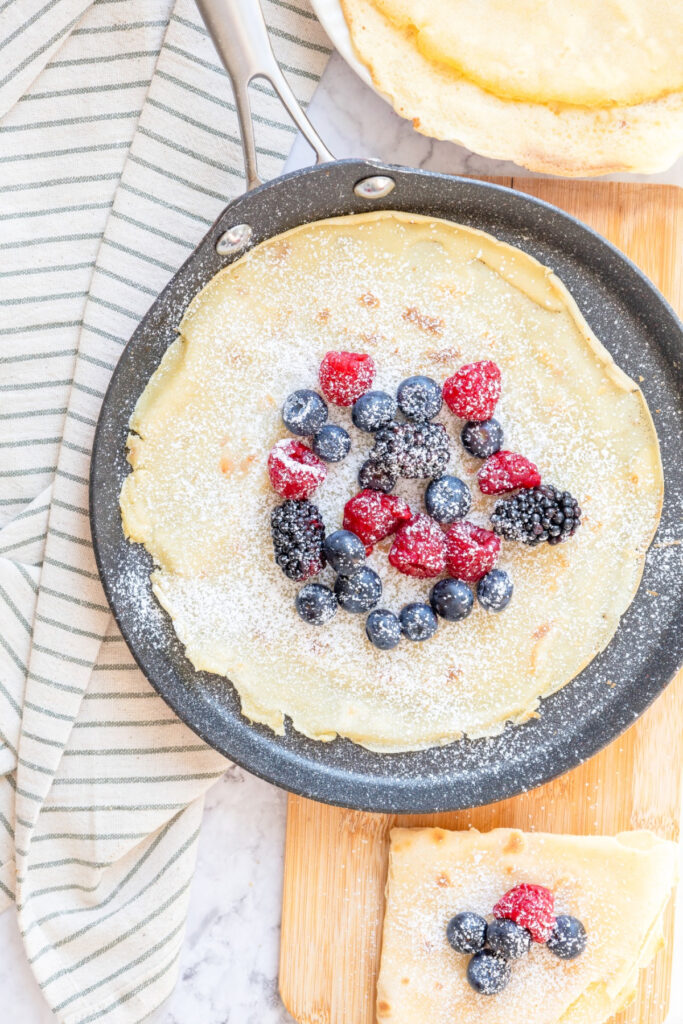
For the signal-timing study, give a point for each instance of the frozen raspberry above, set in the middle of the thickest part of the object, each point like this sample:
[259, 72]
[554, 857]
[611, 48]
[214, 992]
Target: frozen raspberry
[473, 390]
[372, 515]
[530, 906]
[471, 552]
[419, 548]
[505, 471]
[294, 470]
[345, 376]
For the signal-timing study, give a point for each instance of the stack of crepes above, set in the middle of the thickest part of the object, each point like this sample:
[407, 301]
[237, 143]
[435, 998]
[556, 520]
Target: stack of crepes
[570, 87]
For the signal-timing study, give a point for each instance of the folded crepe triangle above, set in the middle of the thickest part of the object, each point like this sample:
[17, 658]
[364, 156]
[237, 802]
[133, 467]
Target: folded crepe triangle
[618, 887]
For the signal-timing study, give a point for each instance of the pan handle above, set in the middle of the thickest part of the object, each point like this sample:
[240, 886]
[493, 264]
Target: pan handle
[240, 36]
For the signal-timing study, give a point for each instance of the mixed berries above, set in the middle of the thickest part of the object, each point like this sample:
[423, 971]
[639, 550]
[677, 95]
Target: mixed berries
[524, 915]
[407, 444]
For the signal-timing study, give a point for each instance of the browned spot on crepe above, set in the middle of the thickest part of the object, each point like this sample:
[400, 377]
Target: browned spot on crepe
[433, 324]
[515, 843]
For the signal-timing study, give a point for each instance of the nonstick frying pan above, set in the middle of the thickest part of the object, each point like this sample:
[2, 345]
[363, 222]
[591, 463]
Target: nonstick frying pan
[626, 312]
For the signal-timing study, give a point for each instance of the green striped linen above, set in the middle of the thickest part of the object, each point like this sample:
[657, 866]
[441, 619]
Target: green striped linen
[118, 148]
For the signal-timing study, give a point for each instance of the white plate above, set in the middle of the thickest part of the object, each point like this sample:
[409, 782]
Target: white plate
[331, 17]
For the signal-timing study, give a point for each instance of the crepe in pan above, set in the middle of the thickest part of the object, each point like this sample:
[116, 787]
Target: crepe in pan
[421, 296]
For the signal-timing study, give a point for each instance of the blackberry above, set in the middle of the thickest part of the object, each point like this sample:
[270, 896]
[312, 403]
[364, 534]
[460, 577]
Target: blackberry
[376, 477]
[411, 450]
[537, 514]
[298, 536]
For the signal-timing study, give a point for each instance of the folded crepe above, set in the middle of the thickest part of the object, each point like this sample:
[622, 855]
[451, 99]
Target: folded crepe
[618, 887]
[639, 130]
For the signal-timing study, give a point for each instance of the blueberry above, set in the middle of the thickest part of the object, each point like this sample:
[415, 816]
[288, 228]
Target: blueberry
[316, 604]
[418, 621]
[466, 932]
[508, 939]
[373, 410]
[304, 412]
[331, 443]
[495, 590]
[451, 599]
[376, 477]
[345, 551]
[488, 973]
[383, 629]
[448, 499]
[419, 398]
[569, 937]
[360, 591]
[482, 439]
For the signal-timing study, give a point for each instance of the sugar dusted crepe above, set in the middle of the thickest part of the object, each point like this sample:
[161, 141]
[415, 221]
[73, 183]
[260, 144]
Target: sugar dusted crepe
[618, 887]
[574, 138]
[421, 296]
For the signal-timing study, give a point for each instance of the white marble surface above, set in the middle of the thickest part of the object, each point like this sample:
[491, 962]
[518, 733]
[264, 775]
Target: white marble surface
[228, 972]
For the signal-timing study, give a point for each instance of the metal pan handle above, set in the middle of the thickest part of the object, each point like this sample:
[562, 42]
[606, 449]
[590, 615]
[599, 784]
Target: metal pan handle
[240, 36]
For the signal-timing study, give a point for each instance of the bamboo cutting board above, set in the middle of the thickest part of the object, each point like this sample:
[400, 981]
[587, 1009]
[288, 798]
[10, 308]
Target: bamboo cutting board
[336, 860]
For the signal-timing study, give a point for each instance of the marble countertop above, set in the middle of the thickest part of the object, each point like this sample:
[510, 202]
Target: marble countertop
[228, 971]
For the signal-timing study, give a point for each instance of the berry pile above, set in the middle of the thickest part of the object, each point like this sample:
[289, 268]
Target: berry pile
[525, 914]
[425, 544]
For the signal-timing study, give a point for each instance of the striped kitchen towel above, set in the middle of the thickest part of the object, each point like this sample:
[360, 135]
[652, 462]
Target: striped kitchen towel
[118, 148]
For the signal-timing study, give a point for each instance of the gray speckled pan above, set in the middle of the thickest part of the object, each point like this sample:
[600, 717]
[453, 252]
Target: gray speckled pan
[635, 324]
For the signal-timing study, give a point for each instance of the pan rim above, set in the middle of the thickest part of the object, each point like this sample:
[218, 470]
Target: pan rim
[387, 793]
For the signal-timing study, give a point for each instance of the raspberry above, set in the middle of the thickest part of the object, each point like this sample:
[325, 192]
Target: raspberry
[530, 906]
[419, 548]
[372, 515]
[505, 471]
[471, 552]
[345, 376]
[473, 390]
[294, 470]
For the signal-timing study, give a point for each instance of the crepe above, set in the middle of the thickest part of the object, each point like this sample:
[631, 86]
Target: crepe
[553, 51]
[618, 887]
[553, 138]
[422, 296]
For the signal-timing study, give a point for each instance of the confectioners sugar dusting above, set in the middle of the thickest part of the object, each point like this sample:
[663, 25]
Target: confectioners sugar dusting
[421, 297]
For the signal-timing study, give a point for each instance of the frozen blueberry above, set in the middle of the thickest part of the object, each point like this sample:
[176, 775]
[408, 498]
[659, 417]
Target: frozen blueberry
[373, 410]
[466, 932]
[316, 604]
[331, 443]
[448, 499]
[508, 939]
[376, 477]
[451, 599]
[360, 591]
[419, 398]
[569, 937]
[383, 629]
[344, 551]
[304, 412]
[482, 439]
[494, 590]
[418, 621]
[488, 973]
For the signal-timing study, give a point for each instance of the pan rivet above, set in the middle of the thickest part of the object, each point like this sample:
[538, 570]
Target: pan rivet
[376, 187]
[233, 240]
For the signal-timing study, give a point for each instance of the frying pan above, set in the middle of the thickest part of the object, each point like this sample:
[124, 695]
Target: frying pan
[626, 312]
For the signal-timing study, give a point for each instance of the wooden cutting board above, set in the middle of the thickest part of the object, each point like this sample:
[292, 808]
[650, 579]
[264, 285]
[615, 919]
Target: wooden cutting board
[336, 860]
